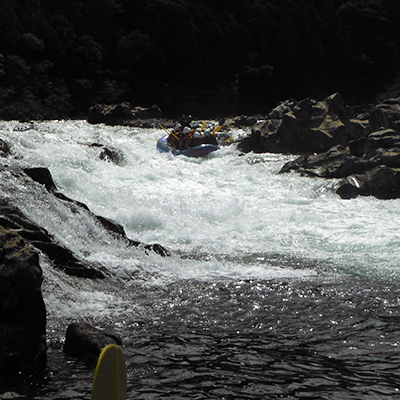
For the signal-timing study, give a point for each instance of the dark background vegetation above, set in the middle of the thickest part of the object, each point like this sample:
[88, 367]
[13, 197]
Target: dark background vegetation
[205, 57]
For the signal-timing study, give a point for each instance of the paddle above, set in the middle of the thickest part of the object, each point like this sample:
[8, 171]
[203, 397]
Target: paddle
[216, 129]
[172, 133]
[110, 377]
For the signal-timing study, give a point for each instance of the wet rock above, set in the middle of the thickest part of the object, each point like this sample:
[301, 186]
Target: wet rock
[113, 155]
[241, 121]
[84, 341]
[70, 263]
[365, 150]
[62, 258]
[337, 162]
[5, 148]
[304, 127]
[42, 176]
[22, 310]
[382, 182]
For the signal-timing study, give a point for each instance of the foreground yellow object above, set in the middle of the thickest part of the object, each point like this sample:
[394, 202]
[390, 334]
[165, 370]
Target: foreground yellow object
[110, 377]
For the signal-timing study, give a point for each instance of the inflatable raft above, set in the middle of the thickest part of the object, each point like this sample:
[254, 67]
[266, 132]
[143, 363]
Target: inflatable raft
[198, 151]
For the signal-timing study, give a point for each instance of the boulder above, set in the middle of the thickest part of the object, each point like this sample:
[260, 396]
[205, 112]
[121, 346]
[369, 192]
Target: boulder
[381, 139]
[304, 127]
[22, 310]
[385, 114]
[382, 182]
[85, 341]
[337, 162]
[113, 155]
[38, 237]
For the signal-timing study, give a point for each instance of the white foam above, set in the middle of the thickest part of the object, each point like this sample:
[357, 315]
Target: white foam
[224, 204]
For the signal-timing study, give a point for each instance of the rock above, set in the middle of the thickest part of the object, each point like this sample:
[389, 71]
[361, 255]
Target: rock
[385, 115]
[241, 121]
[62, 257]
[382, 182]
[365, 150]
[337, 162]
[113, 155]
[5, 148]
[304, 127]
[84, 341]
[22, 310]
[42, 176]
[121, 114]
[384, 139]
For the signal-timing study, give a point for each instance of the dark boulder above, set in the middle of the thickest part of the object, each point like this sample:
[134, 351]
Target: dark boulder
[304, 127]
[385, 114]
[38, 237]
[382, 182]
[337, 162]
[84, 341]
[381, 139]
[42, 176]
[113, 155]
[22, 310]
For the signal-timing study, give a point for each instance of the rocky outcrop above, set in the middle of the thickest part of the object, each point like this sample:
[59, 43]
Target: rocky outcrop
[364, 151]
[22, 310]
[84, 341]
[62, 258]
[123, 114]
[68, 263]
[305, 127]
[335, 163]
[382, 182]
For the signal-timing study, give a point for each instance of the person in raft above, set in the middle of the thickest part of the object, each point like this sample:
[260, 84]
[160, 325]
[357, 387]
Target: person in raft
[183, 138]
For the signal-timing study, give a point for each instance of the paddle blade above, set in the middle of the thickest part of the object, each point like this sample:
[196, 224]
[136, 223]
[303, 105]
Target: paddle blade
[216, 129]
[110, 377]
[203, 126]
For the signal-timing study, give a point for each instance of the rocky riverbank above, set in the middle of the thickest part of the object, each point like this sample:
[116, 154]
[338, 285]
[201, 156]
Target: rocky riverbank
[22, 310]
[333, 141]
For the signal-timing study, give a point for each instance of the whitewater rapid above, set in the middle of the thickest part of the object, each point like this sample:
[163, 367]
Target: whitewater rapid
[275, 285]
[226, 216]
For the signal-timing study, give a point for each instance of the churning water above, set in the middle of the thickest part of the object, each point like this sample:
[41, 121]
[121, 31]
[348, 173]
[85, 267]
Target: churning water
[275, 287]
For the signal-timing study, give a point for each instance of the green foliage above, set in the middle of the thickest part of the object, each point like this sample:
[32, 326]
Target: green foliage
[58, 58]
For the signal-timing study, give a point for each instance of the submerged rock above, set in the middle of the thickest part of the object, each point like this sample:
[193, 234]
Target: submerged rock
[84, 341]
[22, 310]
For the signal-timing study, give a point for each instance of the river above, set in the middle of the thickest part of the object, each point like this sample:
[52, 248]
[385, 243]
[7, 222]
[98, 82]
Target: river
[275, 288]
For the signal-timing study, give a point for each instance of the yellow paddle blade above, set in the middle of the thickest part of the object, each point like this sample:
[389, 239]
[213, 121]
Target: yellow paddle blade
[216, 129]
[172, 133]
[163, 128]
[203, 126]
[110, 377]
[227, 140]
